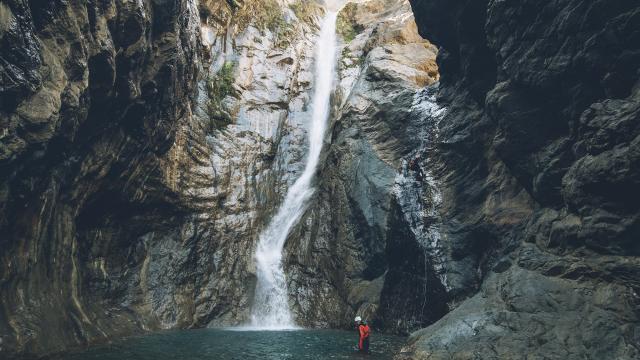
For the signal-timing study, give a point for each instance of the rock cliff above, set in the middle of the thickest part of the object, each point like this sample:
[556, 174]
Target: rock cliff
[537, 159]
[145, 145]
[489, 198]
[92, 96]
[354, 252]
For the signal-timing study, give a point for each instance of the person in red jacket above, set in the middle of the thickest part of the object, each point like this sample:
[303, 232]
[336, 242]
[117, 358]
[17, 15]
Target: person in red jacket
[363, 331]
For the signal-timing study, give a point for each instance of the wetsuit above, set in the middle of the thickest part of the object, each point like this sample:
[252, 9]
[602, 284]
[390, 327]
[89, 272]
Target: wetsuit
[363, 344]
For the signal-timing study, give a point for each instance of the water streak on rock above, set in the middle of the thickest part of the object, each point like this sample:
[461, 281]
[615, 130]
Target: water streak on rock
[271, 309]
[415, 187]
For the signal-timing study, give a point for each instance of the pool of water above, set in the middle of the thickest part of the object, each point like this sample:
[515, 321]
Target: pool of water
[217, 344]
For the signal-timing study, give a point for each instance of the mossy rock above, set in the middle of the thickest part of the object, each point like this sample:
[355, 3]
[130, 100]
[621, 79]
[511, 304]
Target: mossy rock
[218, 88]
[346, 25]
[263, 14]
[354, 61]
[304, 10]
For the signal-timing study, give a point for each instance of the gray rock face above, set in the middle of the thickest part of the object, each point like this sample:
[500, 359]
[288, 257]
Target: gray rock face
[536, 159]
[145, 145]
[259, 153]
[355, 251]
[92, 97]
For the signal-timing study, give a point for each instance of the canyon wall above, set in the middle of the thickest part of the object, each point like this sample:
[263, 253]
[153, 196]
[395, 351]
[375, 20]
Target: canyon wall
[538, 163]
[489, 198]
[144, 145]
[93, 94]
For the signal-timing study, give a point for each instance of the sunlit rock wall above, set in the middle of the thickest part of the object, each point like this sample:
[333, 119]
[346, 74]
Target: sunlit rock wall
[145, 144]
[92, 96]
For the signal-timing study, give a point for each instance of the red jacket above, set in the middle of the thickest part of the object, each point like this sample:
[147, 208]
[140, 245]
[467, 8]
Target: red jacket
[364, 333]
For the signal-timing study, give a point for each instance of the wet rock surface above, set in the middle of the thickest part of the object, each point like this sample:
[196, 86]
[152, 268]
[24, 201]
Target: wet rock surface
[145, 145]
[536, 158]
[354, 251]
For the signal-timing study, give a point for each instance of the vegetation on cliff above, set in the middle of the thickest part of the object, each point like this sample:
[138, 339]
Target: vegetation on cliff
[218, 88]
[304, 10]
[265, 14]
[347, 26]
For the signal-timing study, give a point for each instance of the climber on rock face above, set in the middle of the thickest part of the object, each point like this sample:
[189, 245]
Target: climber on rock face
[414, 165]
[363, 331]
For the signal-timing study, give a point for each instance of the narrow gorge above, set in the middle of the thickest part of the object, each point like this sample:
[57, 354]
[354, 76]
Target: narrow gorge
[461, 174]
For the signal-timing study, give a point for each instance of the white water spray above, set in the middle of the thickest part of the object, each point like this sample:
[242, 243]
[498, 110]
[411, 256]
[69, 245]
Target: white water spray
[271, 308]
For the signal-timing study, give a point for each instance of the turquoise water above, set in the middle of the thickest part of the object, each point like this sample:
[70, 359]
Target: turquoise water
[216, 344]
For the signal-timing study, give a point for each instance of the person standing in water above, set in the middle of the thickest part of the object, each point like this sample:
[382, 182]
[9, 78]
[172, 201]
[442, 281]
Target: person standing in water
[363, 331]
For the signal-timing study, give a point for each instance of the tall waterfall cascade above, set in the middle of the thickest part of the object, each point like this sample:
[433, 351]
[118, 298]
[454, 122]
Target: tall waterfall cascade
[270, 308]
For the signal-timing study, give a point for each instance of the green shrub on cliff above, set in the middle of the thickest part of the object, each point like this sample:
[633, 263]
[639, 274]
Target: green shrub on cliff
[284, 36]
[303, 9]
[346, 24]
[219, 87]
[349, 60]
[265, 15]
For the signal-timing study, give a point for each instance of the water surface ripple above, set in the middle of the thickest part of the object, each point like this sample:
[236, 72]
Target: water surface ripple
[216, 344]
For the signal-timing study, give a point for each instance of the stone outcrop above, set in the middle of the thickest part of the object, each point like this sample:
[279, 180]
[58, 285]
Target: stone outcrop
[537, 160]
[254, 144]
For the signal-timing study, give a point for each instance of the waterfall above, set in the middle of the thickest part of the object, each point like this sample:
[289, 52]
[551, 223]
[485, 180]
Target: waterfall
[270, 308]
